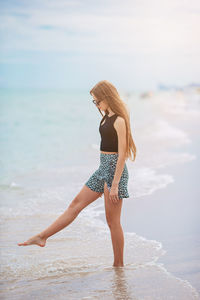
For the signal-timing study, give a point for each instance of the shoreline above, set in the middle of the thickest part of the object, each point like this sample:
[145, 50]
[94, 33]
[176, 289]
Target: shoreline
[176, 209]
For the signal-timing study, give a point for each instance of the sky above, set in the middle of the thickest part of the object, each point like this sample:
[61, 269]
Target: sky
[135, 44]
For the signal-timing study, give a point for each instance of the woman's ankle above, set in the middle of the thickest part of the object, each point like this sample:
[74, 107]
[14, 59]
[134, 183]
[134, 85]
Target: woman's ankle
[42, 236]
[118, 264]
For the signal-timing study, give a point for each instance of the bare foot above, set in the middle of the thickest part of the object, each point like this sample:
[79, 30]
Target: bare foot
[35, 240]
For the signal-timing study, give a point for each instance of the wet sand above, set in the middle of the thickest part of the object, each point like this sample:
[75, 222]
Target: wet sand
[171, 216]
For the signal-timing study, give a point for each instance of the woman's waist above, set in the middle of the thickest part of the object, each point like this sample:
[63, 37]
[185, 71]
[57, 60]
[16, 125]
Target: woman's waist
[106, 152]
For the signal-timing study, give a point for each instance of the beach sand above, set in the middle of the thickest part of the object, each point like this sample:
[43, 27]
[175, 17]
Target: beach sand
[43, 173]
[176, 209]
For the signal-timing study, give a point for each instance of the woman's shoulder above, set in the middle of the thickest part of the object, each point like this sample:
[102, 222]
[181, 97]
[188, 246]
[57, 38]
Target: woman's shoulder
[119, 119]
[119, 122]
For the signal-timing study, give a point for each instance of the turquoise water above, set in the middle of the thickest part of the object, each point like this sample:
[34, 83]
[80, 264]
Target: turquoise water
[45, 128]
[49, 148]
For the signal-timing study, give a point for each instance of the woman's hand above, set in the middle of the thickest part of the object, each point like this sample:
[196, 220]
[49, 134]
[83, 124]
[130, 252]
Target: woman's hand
[114, 193]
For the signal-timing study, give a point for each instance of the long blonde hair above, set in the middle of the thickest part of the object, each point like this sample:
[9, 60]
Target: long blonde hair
[104, 90]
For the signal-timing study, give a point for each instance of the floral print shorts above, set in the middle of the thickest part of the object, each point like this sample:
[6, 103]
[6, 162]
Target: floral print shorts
[105, 173]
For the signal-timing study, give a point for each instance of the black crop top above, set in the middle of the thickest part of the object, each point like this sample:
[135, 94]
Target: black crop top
[109, 138]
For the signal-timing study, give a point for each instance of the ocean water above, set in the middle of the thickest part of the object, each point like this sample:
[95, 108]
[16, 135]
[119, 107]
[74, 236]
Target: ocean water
[49, 146]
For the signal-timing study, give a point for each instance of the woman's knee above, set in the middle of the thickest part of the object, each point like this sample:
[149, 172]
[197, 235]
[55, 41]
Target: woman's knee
[112, 221]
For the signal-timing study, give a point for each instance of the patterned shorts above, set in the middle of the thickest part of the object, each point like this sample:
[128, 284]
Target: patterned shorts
[105, 173]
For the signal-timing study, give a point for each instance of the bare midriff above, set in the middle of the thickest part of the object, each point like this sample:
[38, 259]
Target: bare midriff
[108, 152]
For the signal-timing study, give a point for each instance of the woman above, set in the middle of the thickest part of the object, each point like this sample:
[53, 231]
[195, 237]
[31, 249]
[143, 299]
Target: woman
[111, 178]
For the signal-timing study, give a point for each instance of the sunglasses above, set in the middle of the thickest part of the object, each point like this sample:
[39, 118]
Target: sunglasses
[96, 102]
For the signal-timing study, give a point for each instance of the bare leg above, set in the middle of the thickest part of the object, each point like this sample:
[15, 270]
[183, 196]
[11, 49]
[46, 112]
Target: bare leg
[113, 213]
[83, 198]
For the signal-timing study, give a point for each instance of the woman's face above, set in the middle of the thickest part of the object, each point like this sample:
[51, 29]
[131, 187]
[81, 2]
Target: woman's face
[101, 104]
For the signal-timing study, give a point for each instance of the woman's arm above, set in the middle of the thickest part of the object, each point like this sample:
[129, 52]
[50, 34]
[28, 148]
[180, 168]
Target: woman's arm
[120, 127]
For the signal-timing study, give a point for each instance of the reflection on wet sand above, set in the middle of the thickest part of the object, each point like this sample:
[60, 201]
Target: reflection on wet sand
[120, 286]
